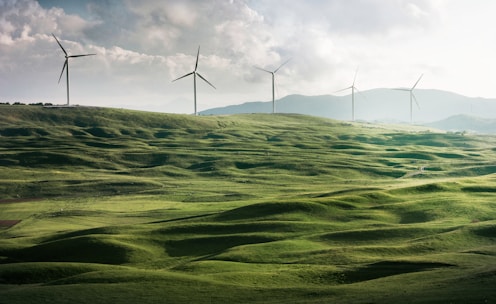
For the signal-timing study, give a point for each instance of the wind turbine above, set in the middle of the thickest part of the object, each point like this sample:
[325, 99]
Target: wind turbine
[66, 65]
[412, 97]
[353, 88]
[273, 83]
[194, 73]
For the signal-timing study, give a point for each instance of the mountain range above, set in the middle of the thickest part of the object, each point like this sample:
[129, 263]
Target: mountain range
[377, 105]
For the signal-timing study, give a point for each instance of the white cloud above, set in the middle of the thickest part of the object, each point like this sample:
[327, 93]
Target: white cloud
[143, 45]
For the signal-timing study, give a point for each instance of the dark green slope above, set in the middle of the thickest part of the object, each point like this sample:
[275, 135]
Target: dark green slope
[116, 145]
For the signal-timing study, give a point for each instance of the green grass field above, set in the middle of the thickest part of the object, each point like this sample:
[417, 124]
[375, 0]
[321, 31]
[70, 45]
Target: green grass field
[106, 205]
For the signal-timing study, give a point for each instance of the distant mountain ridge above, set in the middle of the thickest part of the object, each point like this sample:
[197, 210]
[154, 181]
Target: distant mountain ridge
[460, 123]
[385, 105]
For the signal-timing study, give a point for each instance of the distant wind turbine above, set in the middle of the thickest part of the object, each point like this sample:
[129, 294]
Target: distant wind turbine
[66, 65]
[194, 73]
[353, 88]
[273, 83]
[412, 97]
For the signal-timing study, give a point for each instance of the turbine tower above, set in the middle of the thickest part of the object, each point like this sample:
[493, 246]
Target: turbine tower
[66, 65]
[353, 88]
[194, 73]
[273, 83]
[412, 97]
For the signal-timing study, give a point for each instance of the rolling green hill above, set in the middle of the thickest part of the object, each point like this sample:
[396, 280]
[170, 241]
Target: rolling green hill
[104, 205]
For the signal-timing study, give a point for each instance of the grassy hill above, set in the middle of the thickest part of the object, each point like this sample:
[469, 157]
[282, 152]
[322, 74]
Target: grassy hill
[104, 205]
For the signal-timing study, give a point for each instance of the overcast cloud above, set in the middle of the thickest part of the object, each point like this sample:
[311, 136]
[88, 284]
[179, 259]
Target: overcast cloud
[142, 46]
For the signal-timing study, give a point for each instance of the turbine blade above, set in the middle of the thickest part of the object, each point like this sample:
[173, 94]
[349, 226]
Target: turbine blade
[197, 56]
[74, 56]
[344, 89]
[282, 65]
[354, 78]
[60, 44]
[417, 81]
[262, 69]
[205, 80]
[415, 99]
[183, 76]
[63, 68]
[360, 92]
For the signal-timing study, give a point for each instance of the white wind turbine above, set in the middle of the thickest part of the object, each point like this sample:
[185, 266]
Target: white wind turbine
[194, 73]
[273, 83]
[66, 65]
[412, 97]
[353, 88]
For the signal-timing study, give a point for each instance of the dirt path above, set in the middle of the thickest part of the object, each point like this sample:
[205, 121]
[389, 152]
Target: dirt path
[8, 223]
[11, 223]
[419, 171]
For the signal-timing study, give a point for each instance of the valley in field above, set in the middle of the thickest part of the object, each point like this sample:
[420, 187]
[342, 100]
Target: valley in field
[101, 205]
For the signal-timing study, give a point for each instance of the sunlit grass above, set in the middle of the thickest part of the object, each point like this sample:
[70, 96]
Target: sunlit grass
[142, 207]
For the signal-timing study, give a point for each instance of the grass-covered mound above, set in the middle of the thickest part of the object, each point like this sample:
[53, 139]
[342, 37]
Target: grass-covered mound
[125, 206]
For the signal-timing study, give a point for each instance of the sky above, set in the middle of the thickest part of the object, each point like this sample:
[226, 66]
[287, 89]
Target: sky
[142, 46]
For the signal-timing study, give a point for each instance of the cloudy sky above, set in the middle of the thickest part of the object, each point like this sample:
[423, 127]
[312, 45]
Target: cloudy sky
[142, 46]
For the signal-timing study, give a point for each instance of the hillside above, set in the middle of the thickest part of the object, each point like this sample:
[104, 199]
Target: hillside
[104, 205]
[385, 105]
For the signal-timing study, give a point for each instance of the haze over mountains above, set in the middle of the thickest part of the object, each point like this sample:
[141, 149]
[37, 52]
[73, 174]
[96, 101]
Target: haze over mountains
[384, 105]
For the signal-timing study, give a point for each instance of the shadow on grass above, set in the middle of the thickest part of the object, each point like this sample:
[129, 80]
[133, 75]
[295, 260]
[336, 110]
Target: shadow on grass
[82, 249]
[211, 245]
[273, 209]
[386, 269]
